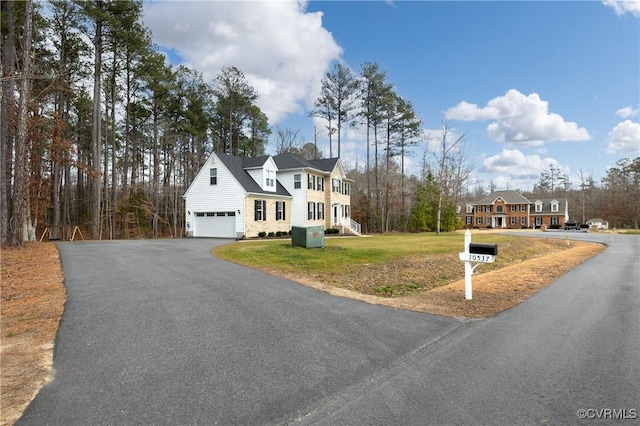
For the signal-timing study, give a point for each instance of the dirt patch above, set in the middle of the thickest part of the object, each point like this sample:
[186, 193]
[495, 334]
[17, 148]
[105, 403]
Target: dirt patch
[31, 305]
[493, 291]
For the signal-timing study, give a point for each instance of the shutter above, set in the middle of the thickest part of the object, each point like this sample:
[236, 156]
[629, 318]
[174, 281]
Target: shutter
[255, 210]
[264, 209]
[284, 216]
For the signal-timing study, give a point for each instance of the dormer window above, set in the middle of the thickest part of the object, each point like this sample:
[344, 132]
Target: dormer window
[538, 206]
[555, 206]
[270, 182]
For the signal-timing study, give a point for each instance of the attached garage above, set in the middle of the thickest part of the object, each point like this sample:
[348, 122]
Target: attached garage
[215, 224]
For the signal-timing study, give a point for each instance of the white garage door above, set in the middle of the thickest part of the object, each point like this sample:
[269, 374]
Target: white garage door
[215, 224]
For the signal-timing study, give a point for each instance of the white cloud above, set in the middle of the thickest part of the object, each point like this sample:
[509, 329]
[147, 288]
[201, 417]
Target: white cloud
[624, 137]
[513, 164]
[627, 112]
[283, 51]
[520, 119]
[623, 6]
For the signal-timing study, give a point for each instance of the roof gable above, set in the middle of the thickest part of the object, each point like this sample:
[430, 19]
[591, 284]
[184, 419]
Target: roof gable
[238, 167]
[509, 197]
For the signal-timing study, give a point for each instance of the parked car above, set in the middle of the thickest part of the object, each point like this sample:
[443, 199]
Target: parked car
[571, 224]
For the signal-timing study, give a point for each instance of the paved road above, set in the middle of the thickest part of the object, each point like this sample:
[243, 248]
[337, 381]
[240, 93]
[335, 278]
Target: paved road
[160, 332]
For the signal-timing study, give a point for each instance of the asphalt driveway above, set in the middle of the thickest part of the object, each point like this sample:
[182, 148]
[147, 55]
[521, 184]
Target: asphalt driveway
[161, 332]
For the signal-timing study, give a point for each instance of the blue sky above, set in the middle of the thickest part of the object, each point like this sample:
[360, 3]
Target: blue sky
[531, 83]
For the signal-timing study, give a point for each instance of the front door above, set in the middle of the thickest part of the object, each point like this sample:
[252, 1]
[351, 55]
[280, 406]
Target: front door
[336, 210]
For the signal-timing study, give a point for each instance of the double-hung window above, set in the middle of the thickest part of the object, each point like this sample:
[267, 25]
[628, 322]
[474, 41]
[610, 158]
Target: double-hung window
[297, 181]
[335, 185]
[213, 176]
[320, 183]
[320, 215]
[280, 210]
[311, 210]
[270, 180]
[259, 210]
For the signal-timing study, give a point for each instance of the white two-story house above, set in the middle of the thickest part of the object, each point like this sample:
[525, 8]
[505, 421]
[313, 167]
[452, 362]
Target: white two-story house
[234, 197]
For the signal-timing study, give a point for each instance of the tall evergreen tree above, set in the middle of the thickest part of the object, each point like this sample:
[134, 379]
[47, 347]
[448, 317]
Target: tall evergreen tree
[339, 88]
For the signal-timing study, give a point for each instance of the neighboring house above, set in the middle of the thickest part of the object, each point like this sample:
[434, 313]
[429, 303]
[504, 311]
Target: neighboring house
[598, 223]
[510, 209]
[234, 197]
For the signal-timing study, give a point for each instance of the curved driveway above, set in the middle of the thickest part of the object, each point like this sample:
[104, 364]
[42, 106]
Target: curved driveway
[161, 332]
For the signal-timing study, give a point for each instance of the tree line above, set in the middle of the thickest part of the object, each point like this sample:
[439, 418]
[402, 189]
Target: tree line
[100, 133]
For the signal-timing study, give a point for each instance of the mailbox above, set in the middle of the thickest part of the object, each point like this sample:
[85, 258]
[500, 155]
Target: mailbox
[489, 249]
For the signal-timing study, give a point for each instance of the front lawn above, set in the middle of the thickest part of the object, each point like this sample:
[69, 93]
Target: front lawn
[386, 265]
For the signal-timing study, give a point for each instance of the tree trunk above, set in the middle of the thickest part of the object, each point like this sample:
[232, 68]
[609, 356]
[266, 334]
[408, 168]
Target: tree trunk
[20, 197]
[8, 109]
[96, 130]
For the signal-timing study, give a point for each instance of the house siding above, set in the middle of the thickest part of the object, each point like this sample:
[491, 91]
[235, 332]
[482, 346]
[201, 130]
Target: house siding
[242, 181]
[253, 227]
[226, 195]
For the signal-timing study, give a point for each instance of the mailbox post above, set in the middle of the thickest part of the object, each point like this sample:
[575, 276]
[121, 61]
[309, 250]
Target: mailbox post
[475, 252]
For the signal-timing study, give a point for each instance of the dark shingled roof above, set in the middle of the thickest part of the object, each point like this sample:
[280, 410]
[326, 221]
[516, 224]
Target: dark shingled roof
[237, 165]
[509, 197]
[287, 160]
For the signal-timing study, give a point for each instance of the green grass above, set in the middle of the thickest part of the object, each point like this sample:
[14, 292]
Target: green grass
[343, 254]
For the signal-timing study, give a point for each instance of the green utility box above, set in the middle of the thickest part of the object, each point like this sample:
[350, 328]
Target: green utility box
[307, 236]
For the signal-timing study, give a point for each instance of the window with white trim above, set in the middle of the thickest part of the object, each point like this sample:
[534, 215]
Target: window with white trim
[512, 207]
[538, 208]
[523, 220]
[259, 210]
[554, 220]
[280, 210]
[320, 183]
[311, 210]
[270, 181]
[335, 185]
[320, 215]
[512, 220]
[523, 207]
[213, 176]
[555, 207]
[297, 181]
[478, 221]
[311, 181]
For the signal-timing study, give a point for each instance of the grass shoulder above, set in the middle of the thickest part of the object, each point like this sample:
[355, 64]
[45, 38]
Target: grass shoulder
[410, 270]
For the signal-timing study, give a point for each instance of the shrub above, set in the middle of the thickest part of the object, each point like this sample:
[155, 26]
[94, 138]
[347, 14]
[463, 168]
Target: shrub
[271, 234]
[262, 234]
[556, 226]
